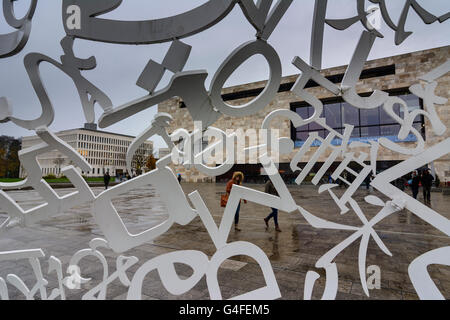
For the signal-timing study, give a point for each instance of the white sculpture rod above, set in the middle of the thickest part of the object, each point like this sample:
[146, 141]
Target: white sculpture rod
[188, 85]
[207, 107]
[55, 265]
[268, 292]
[12, 43]
[142, 32]
[353, 73]
[382, 184]
[423, 284]
[72, 67]
[436, 73]
[158, 127]
[197, 260]
[365, 232]
[231, 63]
[33, 256]
[406, 127]
[112, 226]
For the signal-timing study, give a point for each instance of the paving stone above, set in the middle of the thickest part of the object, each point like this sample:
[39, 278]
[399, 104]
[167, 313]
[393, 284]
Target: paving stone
[292, 253]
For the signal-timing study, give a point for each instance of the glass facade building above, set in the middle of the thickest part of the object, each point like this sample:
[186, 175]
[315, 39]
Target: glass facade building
[368, 124]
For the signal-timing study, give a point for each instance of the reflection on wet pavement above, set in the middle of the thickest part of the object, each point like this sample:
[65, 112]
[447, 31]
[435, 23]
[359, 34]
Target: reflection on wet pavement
[293, 252]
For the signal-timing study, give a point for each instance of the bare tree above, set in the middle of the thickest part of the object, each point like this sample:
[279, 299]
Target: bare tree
[59, 161]
[150, 163]
[138, 163]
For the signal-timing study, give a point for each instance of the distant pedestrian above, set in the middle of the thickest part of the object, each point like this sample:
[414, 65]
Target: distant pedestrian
[238, 177]
[427, 182]
[270, 189]
[179, 178]
[415, 181]
[106, 179]
[370, 182]
[367, 181]
[341, 181]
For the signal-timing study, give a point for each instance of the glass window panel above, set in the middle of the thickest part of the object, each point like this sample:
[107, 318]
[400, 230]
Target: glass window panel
[369, 117]
[391, 130]
[302, 135]
[350, 114]
[370, 131]
[302, 112]
[419, 127]
[418, 119]
[385, 118]
[412, 101]
[313, 125]
[323, 133]
[336, 131]
[399, 110]
[333, 115]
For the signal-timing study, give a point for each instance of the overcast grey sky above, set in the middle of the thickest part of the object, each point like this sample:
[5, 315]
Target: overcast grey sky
[119, 66]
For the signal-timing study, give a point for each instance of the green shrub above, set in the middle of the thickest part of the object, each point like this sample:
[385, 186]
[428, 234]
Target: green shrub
[50, 177]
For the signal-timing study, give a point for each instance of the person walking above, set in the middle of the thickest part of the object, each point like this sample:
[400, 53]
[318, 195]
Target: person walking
[415, 181]
[367, 181]
[106, 179]
[427, 182]
[370, 182]
[270, 189]
[237, 178]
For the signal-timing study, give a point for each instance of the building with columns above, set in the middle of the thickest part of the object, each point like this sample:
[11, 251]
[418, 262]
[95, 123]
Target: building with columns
[105, 151]
[392, 74]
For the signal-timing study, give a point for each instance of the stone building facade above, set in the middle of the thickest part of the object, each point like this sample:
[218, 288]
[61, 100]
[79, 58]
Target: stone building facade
[392, 74]
[105, 151]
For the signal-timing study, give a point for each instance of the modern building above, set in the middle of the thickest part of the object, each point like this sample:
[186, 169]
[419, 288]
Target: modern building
[105, 151]
[392, 74]
[162, 152]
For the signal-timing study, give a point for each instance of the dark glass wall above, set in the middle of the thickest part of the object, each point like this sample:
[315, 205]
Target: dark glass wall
[373, 123]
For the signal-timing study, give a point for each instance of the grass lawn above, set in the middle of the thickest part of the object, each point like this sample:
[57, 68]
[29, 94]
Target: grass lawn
[10, 179]
[99, 179]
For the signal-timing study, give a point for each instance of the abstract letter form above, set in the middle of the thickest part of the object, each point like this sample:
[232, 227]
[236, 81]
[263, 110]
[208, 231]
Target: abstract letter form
[82, 20]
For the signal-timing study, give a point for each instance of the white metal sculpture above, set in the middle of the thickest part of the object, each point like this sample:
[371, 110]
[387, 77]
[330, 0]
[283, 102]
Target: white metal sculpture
[206, 107]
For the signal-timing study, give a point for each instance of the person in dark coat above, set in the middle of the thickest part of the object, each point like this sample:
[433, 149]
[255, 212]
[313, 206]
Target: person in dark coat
[400, 183]
[367, 181]
[106, 179]
[270, 189]
[427, 182]
[415, 181]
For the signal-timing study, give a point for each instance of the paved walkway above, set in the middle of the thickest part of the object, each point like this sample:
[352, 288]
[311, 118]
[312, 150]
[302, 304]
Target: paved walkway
[292, 252]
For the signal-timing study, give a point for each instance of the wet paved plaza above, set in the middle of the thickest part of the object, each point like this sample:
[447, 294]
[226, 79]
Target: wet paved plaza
[292, 253]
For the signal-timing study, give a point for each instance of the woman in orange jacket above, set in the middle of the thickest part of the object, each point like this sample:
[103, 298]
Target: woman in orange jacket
[238, 177]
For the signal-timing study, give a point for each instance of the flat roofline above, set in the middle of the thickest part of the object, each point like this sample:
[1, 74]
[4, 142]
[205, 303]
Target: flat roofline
[106, 132]
[285, 78]
[83, 129]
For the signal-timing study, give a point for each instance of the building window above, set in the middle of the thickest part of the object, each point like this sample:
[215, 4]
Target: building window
[368, 124]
